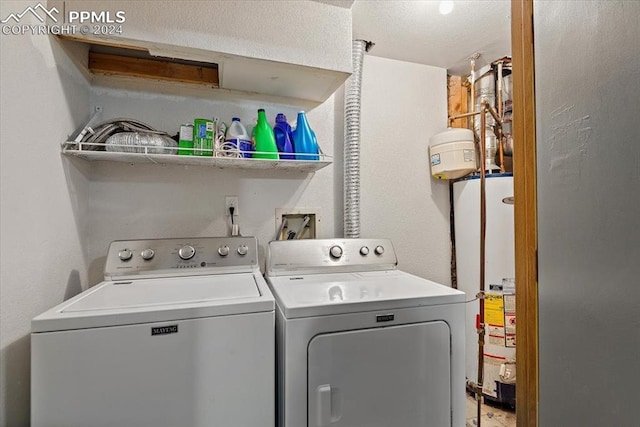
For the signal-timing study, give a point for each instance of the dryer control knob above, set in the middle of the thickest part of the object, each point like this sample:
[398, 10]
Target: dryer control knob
[186, 252]
[379, 250]
[242, 250]
[223, 250]
[147, 254]
[364, 251]
[335, 251]
[125, 255]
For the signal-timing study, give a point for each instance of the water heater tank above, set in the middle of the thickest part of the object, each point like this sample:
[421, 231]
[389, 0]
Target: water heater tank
[452, 153]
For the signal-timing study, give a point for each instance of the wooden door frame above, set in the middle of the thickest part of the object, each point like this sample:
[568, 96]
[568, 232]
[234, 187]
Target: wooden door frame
[526, 227]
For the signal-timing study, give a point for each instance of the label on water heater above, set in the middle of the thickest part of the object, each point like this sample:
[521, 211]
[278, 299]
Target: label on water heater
[435, 160]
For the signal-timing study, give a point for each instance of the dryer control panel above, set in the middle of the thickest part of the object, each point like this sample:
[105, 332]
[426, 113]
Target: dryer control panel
[329, 255]
[181, 256]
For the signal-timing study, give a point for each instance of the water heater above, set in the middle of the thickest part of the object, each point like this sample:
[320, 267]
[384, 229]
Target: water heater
[499, 255]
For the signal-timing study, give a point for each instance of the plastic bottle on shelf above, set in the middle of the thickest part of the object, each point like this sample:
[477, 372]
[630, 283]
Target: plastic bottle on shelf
[237, 138]
[185, 140]
[284, 138]
[304, 140]
[264, 138]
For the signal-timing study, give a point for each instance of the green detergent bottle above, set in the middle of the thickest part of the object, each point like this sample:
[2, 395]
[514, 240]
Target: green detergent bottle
[264, 139]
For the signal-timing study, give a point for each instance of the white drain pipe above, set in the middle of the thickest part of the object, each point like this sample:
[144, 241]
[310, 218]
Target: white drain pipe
[352, 141]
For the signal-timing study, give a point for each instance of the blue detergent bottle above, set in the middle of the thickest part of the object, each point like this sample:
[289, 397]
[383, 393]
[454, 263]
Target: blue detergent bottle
[304, 140]
[284, 138]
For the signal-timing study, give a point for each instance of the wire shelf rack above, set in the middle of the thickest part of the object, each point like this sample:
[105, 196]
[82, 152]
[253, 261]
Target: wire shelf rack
[232, 159]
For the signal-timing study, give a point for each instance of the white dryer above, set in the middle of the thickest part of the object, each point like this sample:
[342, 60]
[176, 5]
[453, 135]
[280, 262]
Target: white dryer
[180, 333]
[360, 343]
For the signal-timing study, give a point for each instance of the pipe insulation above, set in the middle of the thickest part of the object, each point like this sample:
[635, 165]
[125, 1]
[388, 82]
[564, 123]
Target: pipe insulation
[352, 107]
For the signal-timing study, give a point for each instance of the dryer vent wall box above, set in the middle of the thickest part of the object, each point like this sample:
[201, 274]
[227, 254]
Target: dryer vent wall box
[362, 343]
[296, 224]
[179, 334]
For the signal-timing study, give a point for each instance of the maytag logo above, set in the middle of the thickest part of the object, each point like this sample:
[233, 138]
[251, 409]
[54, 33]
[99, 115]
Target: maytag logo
[385, 317]
[164, 330]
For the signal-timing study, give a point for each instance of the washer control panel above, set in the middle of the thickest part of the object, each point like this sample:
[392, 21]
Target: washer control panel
[174, 257]
[326, 255]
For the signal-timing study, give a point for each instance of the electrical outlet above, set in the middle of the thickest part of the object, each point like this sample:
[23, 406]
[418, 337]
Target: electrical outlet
[231, 201]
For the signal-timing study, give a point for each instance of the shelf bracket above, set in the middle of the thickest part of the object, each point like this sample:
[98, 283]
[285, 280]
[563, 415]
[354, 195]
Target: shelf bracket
[85, 129]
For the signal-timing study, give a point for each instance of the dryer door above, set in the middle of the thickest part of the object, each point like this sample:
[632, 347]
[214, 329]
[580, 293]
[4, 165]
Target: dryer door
[398, 376]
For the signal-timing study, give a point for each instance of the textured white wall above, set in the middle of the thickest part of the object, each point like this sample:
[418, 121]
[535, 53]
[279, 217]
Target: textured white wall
[43, 258]
[403, 104]
[293, 31]
[587, 103]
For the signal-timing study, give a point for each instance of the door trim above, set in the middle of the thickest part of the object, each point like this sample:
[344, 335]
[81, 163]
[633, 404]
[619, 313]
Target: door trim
[525, 209]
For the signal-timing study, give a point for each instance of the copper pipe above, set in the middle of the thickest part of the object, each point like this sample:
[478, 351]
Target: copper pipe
[501, 151]
[499, 136]
[487, 109]
[499, 89]
[473, 84]
[483, 234]
[490, 109]
[477, 387]
[500, 114]
[462, 116]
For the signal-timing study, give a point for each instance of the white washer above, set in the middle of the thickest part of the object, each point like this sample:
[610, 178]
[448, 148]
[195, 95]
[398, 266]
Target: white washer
[361, 344]
[180, 333]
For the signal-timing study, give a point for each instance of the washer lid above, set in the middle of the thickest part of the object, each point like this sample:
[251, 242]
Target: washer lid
[338, 293]
[123, 302]
[131, 294]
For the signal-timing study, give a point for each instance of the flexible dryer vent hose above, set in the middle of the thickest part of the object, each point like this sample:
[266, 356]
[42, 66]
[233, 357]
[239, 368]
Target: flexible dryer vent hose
[352, 142]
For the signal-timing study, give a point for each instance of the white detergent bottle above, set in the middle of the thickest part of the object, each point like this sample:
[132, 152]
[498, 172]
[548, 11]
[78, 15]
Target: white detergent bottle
[237, 138]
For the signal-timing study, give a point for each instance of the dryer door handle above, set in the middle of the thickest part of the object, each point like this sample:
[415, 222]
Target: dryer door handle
[323, 396]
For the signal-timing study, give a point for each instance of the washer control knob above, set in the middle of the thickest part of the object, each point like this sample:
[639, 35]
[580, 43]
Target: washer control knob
[223, 250]
[186, 252]
[379, 250]
[147, 254]
[242, 250]
[125, 255]
[335, 251]
[364, 251]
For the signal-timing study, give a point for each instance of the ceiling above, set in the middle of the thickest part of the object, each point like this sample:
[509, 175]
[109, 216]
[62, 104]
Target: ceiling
[415, 31]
